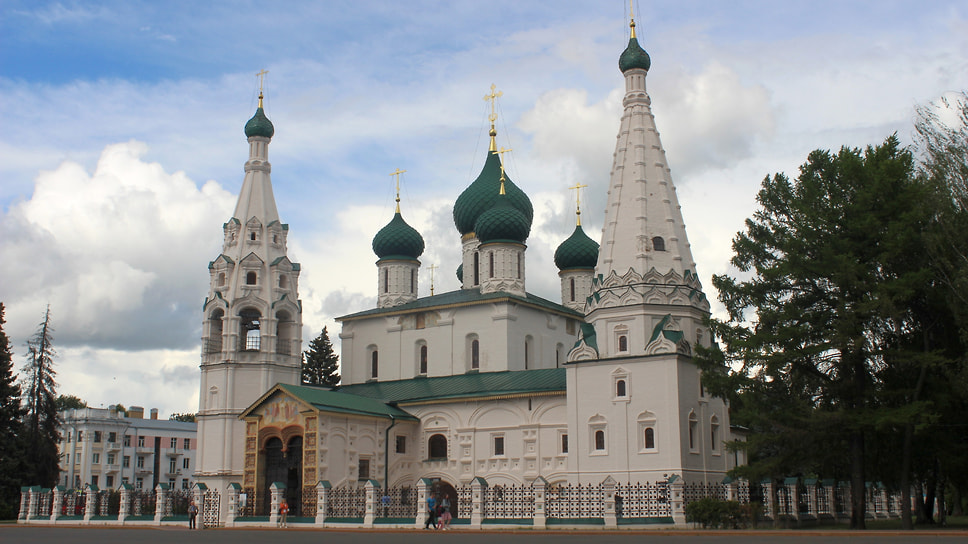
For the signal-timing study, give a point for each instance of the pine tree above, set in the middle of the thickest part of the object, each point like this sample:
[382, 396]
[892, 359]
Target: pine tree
[11, 445]
[41, 421]
[320, 363]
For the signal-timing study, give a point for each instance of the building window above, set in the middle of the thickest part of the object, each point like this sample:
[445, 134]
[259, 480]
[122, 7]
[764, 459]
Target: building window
[564, 443]
[519, 265]
[658, 243]
[171, 483]
[283, 282]
[139, 483]
[112, 437]
[221, 279]
[600, 440]
[250, 278]
[171, 466]
[112, 458]
[437, 447]
[109, 482]
[127, 441]
[571, 289]
[97, 437]
[413, 280]
[528, 347]
[374, 364]
[649, 438]
[185, 462]
[96, 458]
[364, 470]
[187, 443]
[94, 480]
[141, 441]
[141, 461]
[126, 461]
[477, 268]
[475, 354]
[386, 280]
[620, 388]
[252, 236]
[714, 434]
[401, 444]
[498, 446]
[423, 359]
[249, 327]
[80, 436]
[693, 429]
[184, 483]
[623, 343]
[174, 443]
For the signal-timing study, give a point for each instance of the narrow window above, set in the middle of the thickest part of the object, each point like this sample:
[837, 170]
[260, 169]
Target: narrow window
[250, 329]
[620, 388]
[714, 433]
[572, 289]
[658, 243]
[490, 260]
[519, 266]
[475, 354]
[413, 281]
[649, 438]
[599, 440]
[374, 364]
[386, 280]
[252, 236]
[401, 444]
[498, 445]
[527, 354]
[623, 343]
[693, 427]
[174, 443]
[423, 359]
[186, 444]
[250, 278]
[477, 268]
[283, 283]
[564, 443]
[364, 470]
[186, 462]
[221, 279]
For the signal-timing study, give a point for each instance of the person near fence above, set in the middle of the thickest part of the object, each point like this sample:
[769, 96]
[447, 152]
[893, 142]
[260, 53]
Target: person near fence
[445, 515]
[283, 513]
[192, 514]
[431, 512]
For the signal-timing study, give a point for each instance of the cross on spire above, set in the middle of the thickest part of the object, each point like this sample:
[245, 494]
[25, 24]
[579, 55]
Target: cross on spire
[577, 188]
[631, 18]
[492, 97]
[432, 268]
[262, 79]
[500, 154]
[397, 173]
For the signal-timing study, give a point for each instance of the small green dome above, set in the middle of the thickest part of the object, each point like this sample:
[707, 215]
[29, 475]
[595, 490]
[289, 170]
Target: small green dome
[398, 240]
[259, 125]
[634, 57]
[483, 192]
[502, 223]
[578, 251]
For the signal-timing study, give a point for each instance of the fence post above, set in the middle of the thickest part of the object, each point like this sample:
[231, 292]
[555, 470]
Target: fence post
[478, 485]
[24, 504]
[198, 496]
[277, 491]
[608, 488]
[793, 498]
[232, 498]
[33, 504]
[732, 489]
[322, 501]
[813, 510]
[677, 499]
[125, 503]
[423, 492]
[57, 502]
[372, 500]
[540, 512]
[90, 502]
[161, 497]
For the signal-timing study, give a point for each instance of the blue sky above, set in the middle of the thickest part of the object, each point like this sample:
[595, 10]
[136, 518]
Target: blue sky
[122, 148]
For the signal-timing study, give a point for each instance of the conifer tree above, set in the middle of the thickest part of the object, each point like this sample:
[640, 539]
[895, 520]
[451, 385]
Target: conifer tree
[41, 420]
[11, 445]
[320, 363]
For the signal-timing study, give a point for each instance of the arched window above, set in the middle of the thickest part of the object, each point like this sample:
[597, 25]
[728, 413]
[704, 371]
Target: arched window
[285, 329]
[620, 388]
[572, 290]
[623, 343]
[599, 440]
[437, 447]
[214, 342]
[528, 348]
[221, 279]
[714, 433]
[374, 364]
[477, 268]
[649, 438]
[250, 278]
[249, 333]
[423, 359]
[490, 265]
[693, 430]
[283, 281]
[658, 243]
[475, 354]
[413, 280]
[386, 280]
[519, 265]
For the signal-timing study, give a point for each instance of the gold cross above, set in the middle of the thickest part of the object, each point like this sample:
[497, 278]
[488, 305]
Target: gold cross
[432, 268]
[578, 187]
[500, 154]
[397, 173]
[262, 78]
[493, 96]
[631, 18]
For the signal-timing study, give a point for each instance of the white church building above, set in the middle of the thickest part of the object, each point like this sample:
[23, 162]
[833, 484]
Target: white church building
[488, 381]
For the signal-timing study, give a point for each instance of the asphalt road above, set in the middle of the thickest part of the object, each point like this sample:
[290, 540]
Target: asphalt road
[123, 535]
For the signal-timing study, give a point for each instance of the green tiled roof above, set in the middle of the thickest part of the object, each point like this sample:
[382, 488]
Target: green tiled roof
[259, 125]
[480, 195]
[398, 240]
[465, 297]
[327, 400]
[502, 222]
[634, 57]
[483, 384]
[578, 251]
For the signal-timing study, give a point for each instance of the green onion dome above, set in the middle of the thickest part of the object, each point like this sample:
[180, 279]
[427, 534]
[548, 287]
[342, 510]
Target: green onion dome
[460, 272]
[259, 125]
[578, 251]
[502, 223]
[482, 194]
[634, 57]
[398, 240]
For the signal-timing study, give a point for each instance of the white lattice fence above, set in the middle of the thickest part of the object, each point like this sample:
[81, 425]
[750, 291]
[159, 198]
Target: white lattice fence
[640, 500]
[575, 501]
[509, 502]
[347, 502]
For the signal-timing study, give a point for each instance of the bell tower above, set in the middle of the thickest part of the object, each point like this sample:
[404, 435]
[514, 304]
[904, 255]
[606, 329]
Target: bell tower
[252, 316]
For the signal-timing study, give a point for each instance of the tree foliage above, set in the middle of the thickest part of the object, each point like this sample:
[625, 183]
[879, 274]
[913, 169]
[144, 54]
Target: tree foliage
[186, 417]
[831, 263]
[68, 402]
[320, 363]
[11, 444]
[41, 422]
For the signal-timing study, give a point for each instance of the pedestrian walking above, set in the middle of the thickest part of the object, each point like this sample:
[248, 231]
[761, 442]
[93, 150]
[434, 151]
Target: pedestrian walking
[431, 512]
[192, 514]
[283, 513]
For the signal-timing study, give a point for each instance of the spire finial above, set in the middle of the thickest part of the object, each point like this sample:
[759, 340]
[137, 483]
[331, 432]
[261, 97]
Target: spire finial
[397, 173]
[493, 96]
[631, 18]
[500, 154]
[262, 79]
[577, 188]
[432, 268]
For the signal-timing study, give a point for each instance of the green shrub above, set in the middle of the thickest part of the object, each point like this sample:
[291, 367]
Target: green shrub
[712, 513]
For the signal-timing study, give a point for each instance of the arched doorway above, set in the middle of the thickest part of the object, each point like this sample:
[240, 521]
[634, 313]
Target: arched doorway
[284, 465]
[443, 489]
